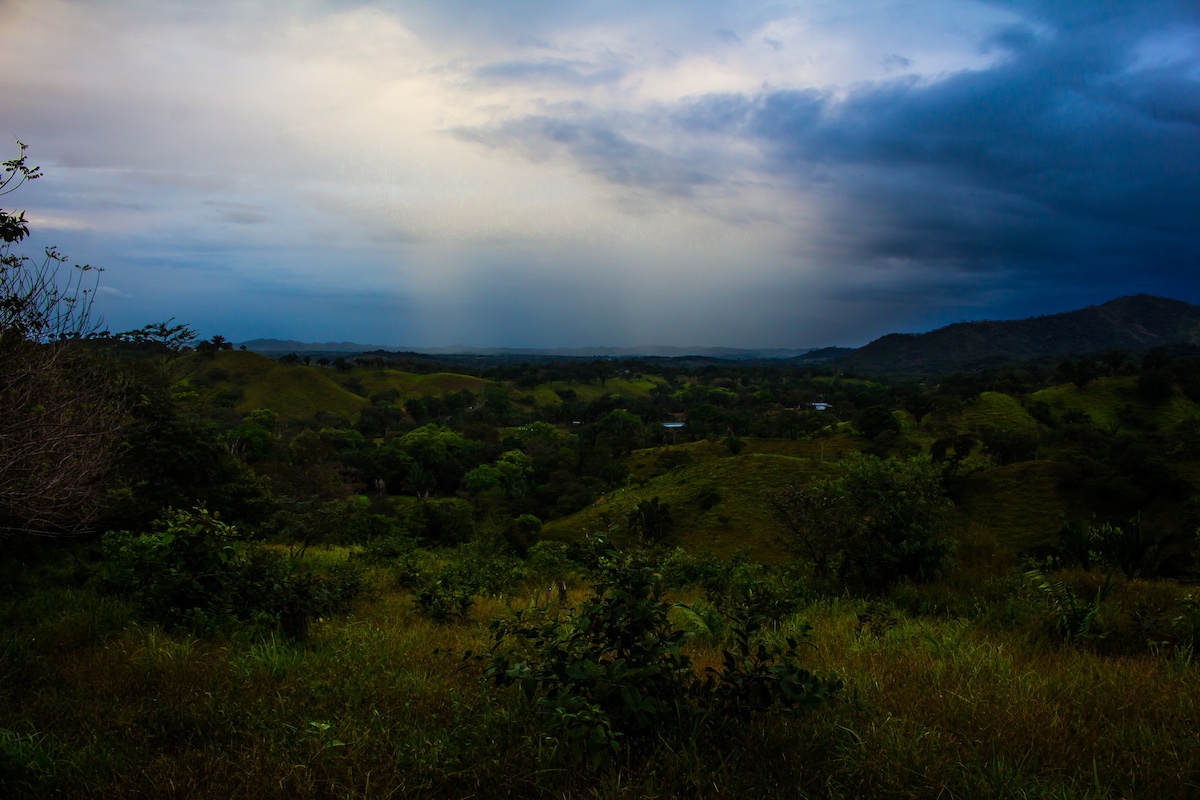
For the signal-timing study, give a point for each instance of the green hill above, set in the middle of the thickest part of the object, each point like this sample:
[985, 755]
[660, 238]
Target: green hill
[1113, 404]
[300, 392]
[998, 411]
[716, 502]
[408, 384]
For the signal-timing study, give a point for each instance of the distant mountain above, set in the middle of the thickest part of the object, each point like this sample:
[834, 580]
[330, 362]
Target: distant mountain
[730, 353]
[823, 355]
[1132, 323]
[293, 346]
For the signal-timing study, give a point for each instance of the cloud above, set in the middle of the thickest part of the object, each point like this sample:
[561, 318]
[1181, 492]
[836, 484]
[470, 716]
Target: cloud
[597, 145]
[555, 71]
[1067, 157]
[609, 172]
[238, 213]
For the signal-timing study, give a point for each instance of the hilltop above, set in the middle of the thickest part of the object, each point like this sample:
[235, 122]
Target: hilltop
[1136, 323]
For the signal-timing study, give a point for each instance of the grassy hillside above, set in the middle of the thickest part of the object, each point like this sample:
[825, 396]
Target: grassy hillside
[408, 384]
[380, 704]
[995, 410]
[716, 500]
[1019, 505]
[1105, 398]
[299, 393]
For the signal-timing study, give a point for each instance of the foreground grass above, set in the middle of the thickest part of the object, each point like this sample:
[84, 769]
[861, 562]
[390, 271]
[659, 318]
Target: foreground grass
[380, 704]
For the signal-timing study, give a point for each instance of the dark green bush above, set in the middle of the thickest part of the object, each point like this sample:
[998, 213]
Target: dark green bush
[443, 600]
[874, 420]
[192, 568]
[613, 668]
[709, 497]
[549, 560]
[481, 568]
[735, 585]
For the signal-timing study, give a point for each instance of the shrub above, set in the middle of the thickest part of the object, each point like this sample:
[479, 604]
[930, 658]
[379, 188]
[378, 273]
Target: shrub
[874, 420]
[549, 560]
[443, 601]
[651, 519]
[1073, 619]
[709, 497]
[522, 533]
[875, 524]
[447, 520]
[482, 568]
[192, 568]
[613, 668]
[735, 585]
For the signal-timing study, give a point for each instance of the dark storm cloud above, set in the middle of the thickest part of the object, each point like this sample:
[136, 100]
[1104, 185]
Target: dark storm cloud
[1073, 157]
[1063, 153]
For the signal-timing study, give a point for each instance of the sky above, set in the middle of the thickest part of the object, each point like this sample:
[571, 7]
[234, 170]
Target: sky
[547, 173]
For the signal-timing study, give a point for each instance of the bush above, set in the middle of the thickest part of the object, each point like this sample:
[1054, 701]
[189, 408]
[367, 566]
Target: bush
[447, 520]
[736, 586]
[549, 560]
[1073, 619]
[874, 420]
[875, 524]
[447, 593]
[614, 668]
[709, 497]
[191, 568]
[443, 601]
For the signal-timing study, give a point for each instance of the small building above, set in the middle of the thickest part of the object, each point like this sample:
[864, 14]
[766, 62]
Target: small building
[820, 406]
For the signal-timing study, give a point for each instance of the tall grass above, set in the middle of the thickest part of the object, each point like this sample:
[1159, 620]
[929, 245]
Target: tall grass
[381, 704]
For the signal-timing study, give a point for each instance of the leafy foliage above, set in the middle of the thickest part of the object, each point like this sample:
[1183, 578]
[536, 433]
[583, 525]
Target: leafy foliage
[193, 569]
[651, 519]
[737, 586]
[614, 667]
[876, 523]
[1074, 619]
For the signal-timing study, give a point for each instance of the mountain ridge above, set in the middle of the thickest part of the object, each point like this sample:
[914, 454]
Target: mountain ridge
[1132, 323]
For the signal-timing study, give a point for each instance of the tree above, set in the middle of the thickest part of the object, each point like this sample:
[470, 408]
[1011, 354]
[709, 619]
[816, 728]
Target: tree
[1081, 372]
[62, 403]
[164, 342]
[651, 519]
[624, 428]
[875, 420]
[877, 522]
[920, 405]
[209, 347]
